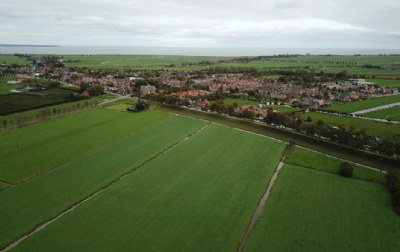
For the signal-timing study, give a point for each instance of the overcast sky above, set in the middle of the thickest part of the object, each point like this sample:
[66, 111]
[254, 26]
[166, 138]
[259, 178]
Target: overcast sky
[204, 23]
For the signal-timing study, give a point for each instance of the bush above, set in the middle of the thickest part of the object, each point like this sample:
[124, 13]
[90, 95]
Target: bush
[346, 169]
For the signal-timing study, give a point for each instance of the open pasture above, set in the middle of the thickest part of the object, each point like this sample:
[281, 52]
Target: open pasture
[386, 82]
[29, 204]
[195, 197]
[58, 109]
[366, 104]
[51, 143]
[310, 210]
[12, 59]
[305, 158]
[150, 62]
[18, 102]
[329, 64]
[389, 114]
[374, 128]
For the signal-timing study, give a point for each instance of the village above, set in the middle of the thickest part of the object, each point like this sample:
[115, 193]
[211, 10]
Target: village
[200, 90]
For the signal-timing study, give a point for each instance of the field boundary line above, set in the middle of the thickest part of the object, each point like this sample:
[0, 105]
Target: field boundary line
[97, 192]
[260, 207]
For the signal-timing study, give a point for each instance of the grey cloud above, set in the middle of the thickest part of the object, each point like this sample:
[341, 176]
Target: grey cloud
[295, 23]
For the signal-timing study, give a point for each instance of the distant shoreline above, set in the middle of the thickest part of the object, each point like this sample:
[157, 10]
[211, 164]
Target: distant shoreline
[19, 45]
[186, 51]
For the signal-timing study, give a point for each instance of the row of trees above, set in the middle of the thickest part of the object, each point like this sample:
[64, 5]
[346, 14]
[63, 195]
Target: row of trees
[348, 136]
[45, 113]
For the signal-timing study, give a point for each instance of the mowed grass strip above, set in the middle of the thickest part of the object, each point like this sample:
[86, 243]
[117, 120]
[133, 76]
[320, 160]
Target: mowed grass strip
[30, 150]
[375, 128]
[389, 114]
[361, 105]
[310, 210]
[37, 200]
[305, 158]
[199, 196]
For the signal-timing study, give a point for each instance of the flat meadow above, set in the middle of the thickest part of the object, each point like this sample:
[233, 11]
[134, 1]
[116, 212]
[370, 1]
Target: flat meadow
[197, 196]
[33, 202]
[374, 128]
[149, 62]
[312, 160]
[311, 210]
[366, 104]
[53, 142]
[385, 82]
[388, 114]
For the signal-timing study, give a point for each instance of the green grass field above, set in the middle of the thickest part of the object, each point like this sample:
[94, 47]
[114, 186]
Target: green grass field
[310, 210]
[51, 143]
[11, 59]
[5, 88]
[385, 82]
[197, 197]
[304, 158]
[36, 200]
[149, 62]
[3, 186]
[361, 105]
[374, 128]
[240, 102]
[330, 64]
[59, 109]
[389, 114]
[18, 102]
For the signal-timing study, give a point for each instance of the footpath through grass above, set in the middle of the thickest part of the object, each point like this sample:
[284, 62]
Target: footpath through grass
[27, 151]
[362, 105]
[199, 196]
[304, 158]
[37, 200]
[310, 210]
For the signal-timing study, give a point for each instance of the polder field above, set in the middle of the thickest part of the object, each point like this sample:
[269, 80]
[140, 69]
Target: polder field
[18, 102]
[374, 128]
[147, 62]
[363, 105]
[330, 64]
[311, 210]
[392, 114]
[108, 180]
[386, 82]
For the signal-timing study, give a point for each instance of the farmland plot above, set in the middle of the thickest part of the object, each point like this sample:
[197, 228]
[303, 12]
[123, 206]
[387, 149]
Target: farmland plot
[39, 199]
[198, 196]
[311, 210]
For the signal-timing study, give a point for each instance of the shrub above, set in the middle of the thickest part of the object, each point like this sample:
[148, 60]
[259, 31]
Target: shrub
[346, 169]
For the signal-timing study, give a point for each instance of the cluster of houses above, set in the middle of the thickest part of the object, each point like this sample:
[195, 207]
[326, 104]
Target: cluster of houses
[196, 88]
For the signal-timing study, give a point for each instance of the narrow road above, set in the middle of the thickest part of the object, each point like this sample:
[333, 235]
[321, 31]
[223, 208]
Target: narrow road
[260, 206]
